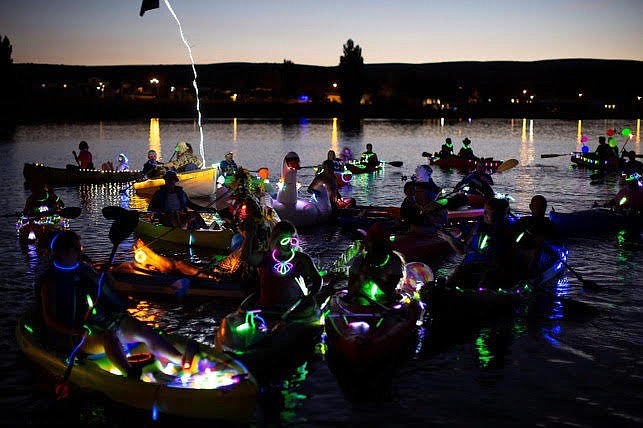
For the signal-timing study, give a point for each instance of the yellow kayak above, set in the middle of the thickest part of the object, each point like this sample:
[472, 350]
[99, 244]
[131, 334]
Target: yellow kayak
[218, 387]
[196, 184]
[217, 239]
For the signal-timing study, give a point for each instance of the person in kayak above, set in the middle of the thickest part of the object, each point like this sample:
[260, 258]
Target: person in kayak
[338, 166]
[478, 182]
[447, 149]
[377, 271]
[42, 201]
[603, 151]
[170, 205]
[466, 151]
[326, 178]
[75, 303]
[424, 182]
[488, 250]
[122, 163]
[346, 155]
[228, 166]
[369, 158]
[153, 168]
[534, 232]
[186, 160]
[286, 274]
[84, 158]
[632, 166]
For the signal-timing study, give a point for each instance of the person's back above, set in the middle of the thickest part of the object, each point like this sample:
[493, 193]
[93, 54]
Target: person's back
[447, 149]
[170, 204]
[603, 151]
[534, 232]
[346, 156]
[327, 179]
[477, 182]
[632, 166]
[466, 151]
[84, 159]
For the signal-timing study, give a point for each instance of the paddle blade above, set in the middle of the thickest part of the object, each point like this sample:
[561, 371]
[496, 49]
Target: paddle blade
[426, 154]
[507, 165]
[396, 163]
[70, 212]
[113, 212]
[123, 226]
[553, 155]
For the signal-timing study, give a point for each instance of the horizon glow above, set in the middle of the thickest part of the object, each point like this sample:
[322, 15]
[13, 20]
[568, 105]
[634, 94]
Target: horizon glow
[312, 33]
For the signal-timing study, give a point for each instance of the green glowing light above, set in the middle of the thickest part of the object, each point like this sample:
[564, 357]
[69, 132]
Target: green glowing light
[484, 242]
[379, 322]
[520, 236]
[372, 290]
[28, 328]
[623, 200]
[484, 355]
[90, 302]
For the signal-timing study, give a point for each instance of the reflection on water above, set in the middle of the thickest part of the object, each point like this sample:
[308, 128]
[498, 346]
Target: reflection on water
[554, 342]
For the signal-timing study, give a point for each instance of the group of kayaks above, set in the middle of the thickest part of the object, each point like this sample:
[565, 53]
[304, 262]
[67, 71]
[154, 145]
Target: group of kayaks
[254, 339]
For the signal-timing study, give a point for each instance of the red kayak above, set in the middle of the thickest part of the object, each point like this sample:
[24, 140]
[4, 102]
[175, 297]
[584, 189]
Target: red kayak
[465, 164]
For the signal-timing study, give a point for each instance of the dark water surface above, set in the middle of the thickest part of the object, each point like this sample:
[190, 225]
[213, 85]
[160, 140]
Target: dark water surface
[578, 364]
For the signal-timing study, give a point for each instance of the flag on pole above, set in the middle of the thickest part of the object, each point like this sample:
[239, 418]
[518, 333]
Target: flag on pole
[148, 5]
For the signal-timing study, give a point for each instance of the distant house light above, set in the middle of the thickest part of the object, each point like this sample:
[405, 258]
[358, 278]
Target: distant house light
[233, 97]
[43, 85]
[303, 98]
[172, 88]
[64, 85]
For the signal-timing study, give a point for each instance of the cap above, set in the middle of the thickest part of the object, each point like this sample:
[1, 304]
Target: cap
[466, 141]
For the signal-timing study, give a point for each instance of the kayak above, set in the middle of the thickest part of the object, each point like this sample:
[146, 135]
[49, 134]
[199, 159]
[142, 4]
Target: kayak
[465, 164]
[594, 221]
[265, 338]
[207, 238]
[364, 335]
[363, 216]
[361, 168]
[217, 387]
[425, 247]
[151, 274]
[37, 231]
[196, 184]
[74, 175]
[591, 161]
[468, 301]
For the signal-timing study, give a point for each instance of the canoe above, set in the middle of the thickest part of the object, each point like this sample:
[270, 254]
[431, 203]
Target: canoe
[218, 387]
[207, 238]
[364, 335]
[263, 340]
[425, 247]
[73, 175]
[196, 184]
[360, 168]
[590, 161]
[151, 274]
[465, 164]
[465, 302]
[594, 221]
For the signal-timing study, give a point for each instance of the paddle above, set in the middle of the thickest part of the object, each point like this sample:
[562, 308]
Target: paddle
[67, 212]
[76, 157]
[123, 225]
[587, 283]
[396, 164]
[553, 155]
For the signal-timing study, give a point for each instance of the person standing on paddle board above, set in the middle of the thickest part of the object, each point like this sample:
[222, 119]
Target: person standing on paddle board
[84, 158]
[73, 305]
[369, 157]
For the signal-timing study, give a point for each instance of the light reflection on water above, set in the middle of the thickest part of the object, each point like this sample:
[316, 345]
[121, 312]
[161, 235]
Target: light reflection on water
[451, 368]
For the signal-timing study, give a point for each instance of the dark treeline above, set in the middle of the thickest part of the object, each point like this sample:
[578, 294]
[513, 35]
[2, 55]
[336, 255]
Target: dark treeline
[575, 88]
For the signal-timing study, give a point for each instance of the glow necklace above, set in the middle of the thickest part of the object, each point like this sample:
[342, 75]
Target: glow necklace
[282, 267]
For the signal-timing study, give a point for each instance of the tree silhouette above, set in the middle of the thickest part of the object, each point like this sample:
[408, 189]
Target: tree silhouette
[5, 51]
[289, 80]
[351, 77]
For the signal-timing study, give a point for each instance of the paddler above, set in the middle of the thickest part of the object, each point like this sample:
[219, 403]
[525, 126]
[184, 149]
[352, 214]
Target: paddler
[74, 305]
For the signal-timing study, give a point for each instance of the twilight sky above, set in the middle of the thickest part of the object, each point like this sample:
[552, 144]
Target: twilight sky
[104, 32]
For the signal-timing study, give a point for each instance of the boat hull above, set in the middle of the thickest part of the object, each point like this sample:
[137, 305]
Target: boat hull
[73, 175]
[233, 401]
[196, 184]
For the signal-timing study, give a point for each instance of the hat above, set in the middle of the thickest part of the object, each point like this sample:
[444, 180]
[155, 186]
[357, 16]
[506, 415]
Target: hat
[181, 147]
[229, 153]
[171, 176]
[466, 141]
[378, 233]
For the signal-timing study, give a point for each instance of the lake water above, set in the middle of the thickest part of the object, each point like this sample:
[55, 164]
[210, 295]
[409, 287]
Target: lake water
[580, 366]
